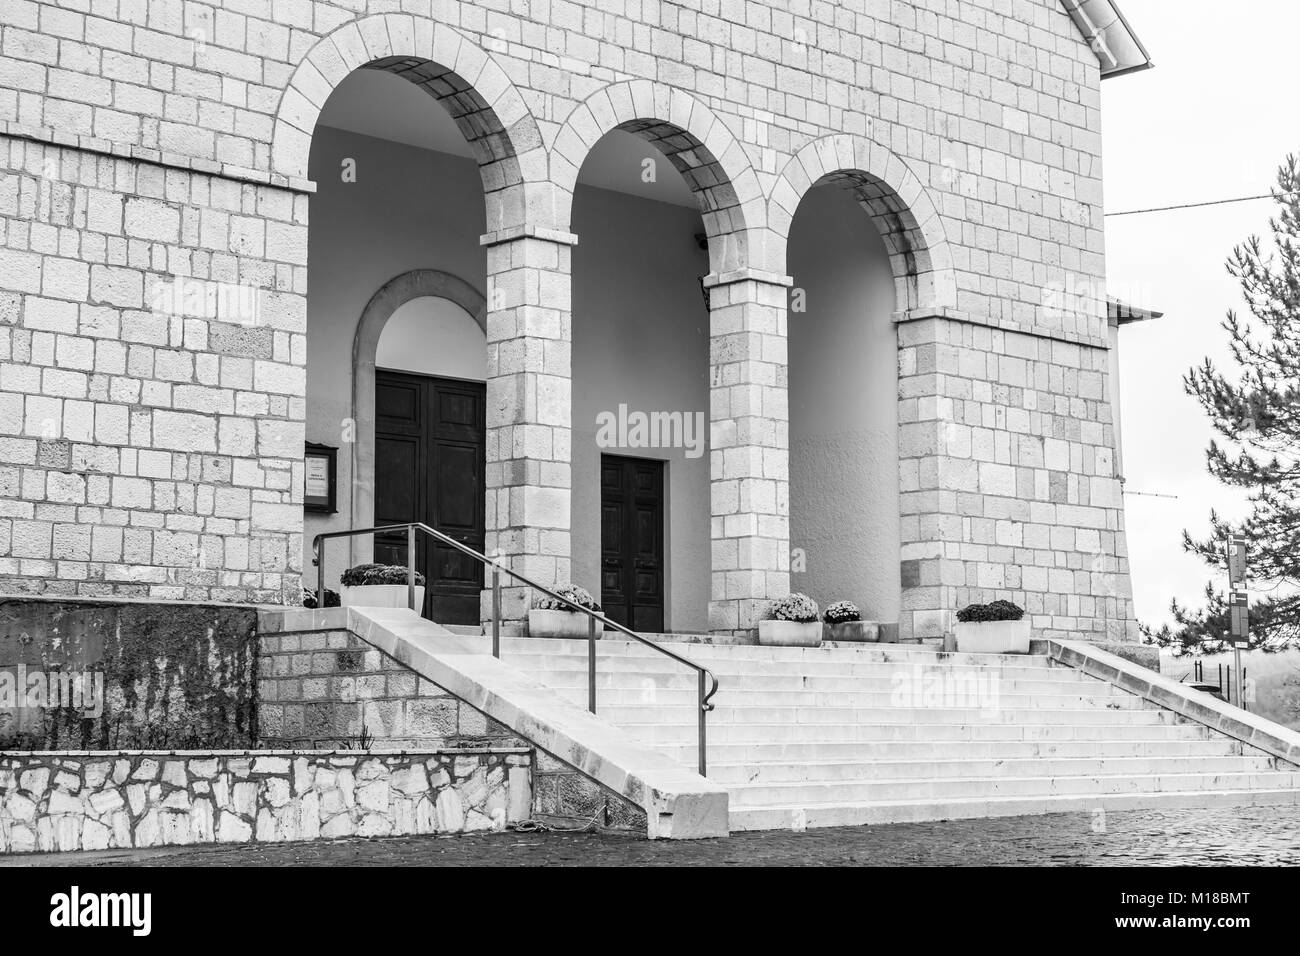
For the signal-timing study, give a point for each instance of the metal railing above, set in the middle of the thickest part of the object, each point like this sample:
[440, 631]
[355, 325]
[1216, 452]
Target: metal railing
[704, 676]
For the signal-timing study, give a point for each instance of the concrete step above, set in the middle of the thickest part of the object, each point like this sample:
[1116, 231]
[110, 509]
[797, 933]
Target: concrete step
[879, 733]
[658, 733]
[786, 816]
[827, 667]
[684, 682]
[921, 750]
[822, 771]
[782, 700]
[706, 653]
[762, 715]
[961, 788]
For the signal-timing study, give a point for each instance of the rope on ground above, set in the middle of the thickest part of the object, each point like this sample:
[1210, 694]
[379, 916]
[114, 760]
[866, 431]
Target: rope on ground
[540, 826]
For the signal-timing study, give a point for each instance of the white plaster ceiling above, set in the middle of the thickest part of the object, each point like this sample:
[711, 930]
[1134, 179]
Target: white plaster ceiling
[379, 104]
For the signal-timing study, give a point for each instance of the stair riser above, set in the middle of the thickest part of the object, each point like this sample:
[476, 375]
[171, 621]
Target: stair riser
[784, 700]
[794, 683]
[740, 669]
[866, 752]
[765, 717]
[704, 653]
[829, 733]
[960, 789]
[848, 772]
[784, 818]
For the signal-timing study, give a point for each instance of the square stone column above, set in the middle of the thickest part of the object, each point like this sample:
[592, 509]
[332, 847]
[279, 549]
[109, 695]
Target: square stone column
[749, 451]
[529, 411]
[1007, 480]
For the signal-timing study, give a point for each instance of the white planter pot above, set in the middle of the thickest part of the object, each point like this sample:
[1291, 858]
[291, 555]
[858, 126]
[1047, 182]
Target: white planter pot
[790, 633]
[379, 595]
[862, 632]
[993, 637]
[548, 623]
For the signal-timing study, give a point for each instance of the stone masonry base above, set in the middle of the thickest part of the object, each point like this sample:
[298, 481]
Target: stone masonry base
[331, 689]
[98, 801]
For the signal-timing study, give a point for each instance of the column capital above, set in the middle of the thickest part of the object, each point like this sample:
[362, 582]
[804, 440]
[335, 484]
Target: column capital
[715, 279]
[502, 236]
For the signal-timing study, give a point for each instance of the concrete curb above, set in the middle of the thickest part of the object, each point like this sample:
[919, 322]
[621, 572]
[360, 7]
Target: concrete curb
[1273, 739]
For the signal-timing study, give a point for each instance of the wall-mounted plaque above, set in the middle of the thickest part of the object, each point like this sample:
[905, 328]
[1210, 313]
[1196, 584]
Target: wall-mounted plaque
[322, 479]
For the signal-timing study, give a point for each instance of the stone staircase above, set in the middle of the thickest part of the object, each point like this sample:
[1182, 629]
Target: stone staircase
[854, 734]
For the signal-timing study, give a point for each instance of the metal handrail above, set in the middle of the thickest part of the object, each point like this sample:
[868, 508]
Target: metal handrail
[703, 691]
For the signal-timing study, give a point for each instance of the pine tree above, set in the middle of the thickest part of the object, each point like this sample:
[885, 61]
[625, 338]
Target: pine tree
[1257, 412]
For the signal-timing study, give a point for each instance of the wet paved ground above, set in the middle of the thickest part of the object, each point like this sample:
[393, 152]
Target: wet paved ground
[1268, 836]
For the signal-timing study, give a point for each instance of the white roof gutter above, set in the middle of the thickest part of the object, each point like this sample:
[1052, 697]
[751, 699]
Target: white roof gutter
[1109, 35]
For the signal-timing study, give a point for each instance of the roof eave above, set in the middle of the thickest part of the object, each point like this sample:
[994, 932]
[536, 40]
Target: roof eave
[1121, 313]
[1106, 30]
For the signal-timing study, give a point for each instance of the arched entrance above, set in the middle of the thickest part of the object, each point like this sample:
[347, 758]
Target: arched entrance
[663, 200]
[397, 358]
[477, 202]
[419, 394]
[844, 486]
[866, 251]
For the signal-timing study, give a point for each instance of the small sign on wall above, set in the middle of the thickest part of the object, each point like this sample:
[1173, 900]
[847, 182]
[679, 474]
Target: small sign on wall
[319, 493]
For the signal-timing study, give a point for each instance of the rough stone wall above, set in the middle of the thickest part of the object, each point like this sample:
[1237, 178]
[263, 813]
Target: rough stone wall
[98, 801]
[171, 675]
[332, 689]
[969, 131]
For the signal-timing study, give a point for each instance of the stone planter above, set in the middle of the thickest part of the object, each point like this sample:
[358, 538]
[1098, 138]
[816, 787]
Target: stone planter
[859, 632]
[547, 623]
[790, 633]
[993, 637]
[379, 595]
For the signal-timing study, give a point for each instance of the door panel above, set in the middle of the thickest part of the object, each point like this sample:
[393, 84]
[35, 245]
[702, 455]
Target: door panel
[429, 462]
[632, 541]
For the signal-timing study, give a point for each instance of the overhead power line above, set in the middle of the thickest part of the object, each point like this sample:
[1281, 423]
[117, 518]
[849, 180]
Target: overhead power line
[1193, 205]
[1148, 494]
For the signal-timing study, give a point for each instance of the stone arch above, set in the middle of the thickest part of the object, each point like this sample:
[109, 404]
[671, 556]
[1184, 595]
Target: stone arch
[461, 76]
[897, 202]
[393, 294]
[693, 138]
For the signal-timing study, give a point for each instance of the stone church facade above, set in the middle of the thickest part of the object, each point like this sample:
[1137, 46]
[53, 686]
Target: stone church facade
[154, 319]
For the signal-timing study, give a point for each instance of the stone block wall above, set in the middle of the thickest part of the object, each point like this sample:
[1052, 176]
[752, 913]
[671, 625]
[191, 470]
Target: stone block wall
[152, 358]
[1009, 488]
[331, 689]
[98, 801]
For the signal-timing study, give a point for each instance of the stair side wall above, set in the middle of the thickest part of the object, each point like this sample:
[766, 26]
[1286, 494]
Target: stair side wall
[331, 689]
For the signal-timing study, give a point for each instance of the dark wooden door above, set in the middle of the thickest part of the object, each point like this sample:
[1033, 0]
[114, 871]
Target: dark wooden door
[429, 459]
[632, 541]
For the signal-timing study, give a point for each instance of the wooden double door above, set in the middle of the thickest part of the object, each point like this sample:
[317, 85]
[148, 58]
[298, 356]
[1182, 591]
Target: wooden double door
[430, 442]
[632, 541]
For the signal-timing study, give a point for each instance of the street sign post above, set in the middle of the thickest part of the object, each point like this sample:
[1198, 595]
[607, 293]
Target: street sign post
[1238, 607]
[1236, 561]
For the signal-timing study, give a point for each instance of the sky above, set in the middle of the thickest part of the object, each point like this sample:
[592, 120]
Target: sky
[1212, 120]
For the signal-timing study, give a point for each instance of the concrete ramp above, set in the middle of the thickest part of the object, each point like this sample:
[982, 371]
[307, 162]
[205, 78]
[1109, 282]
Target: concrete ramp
[678, 803]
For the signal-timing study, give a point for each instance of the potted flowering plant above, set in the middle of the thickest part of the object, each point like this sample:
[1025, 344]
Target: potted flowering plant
[791, 621]
[999, 627]
[379, 585]
[309, 597]
[844, 623]
[551, 618]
